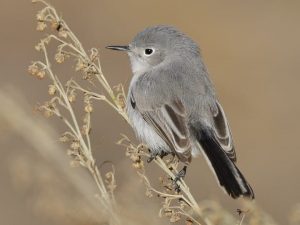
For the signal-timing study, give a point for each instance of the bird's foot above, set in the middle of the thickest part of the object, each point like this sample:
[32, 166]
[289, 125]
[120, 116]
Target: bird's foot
[154, 154]
[180, 175]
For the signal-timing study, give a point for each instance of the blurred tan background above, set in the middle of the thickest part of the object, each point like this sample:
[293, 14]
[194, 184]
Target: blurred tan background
[252, 51]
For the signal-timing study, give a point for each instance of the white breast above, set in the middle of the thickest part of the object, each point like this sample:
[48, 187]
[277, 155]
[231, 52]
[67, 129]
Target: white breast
[144, 132]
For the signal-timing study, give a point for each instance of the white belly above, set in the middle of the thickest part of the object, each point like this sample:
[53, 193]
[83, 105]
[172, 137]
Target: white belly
[144, 132]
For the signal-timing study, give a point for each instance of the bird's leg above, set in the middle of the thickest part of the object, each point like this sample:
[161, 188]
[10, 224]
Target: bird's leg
[154, 154]
[180, 175]
[151, 157]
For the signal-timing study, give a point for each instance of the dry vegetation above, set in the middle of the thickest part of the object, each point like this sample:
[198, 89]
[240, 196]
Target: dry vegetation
[91, 86]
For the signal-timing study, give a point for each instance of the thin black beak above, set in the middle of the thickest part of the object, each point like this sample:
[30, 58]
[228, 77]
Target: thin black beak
[118, 47]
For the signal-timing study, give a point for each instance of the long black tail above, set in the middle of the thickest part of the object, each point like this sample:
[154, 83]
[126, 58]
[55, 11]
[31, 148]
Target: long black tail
[228, 175]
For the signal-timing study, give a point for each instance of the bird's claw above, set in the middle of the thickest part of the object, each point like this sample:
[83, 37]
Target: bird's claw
[180, 175]
[151, 157]
[154, 154]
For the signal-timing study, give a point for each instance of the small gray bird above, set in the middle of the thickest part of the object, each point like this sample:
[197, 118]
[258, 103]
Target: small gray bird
[173, 107]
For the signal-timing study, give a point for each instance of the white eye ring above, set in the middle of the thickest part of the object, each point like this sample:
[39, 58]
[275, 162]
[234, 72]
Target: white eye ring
[148, 51]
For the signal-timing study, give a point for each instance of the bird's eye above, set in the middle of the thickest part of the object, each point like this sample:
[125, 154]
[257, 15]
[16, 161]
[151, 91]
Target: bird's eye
[148, 51]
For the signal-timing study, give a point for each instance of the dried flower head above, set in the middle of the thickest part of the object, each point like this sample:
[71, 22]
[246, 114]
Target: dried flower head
[149, 193]
[135, 157]
[121, 101]
[55, 24]
[80, 65]
[94, 54]
[51, 89]
[110, 181]
[33, 69]
[86, 118]
[41, 25]
[75, 145]
[86, 129]
[38, 47]
[72, 96]
[75, 163]
[138, 165]
[40, 16]
[48, 113]
[59, 57]
[62, 33]
[64, 138]
[48, 109]
[88, 108]
[188, 222]
[41, 74]
[175, 217]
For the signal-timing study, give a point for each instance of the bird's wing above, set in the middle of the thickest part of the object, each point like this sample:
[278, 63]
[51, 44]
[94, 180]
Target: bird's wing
[169, 121]
[222, 133]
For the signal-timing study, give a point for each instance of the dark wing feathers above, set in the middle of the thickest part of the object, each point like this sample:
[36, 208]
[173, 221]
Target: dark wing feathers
[169, 121]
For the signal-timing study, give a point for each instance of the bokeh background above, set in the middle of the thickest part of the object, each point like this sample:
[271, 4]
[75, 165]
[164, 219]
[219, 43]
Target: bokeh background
[252, 51]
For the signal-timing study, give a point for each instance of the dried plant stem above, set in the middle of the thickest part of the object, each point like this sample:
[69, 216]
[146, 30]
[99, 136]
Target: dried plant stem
[86, 158]
[185, 189]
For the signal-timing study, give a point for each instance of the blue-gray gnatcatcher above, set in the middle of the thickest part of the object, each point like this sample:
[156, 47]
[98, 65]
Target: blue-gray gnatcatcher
[173, 108]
